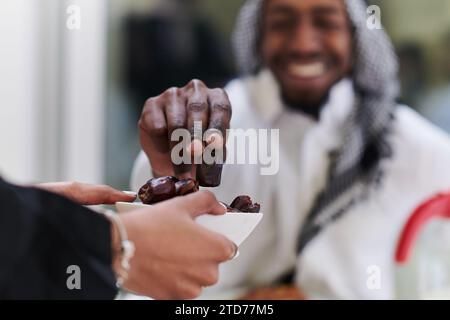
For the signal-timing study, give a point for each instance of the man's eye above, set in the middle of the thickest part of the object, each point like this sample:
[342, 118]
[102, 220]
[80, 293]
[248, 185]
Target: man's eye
[280, 25]
[328, 24]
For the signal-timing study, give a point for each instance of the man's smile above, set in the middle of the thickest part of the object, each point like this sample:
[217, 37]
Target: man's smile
[306, 71]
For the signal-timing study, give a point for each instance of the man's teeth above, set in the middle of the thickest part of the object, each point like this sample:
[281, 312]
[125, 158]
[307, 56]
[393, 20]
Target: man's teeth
[307, 70]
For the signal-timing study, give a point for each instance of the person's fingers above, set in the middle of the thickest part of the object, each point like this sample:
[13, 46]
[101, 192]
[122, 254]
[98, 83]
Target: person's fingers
[87, 194]
[60, 188]
[175, 111]
[187, 290]
[197, 113]
[215, 139]
[157, 159]
[220, 115]
[201, 202]
[207, 275]
[153, 126]
[114, 196]
[195, 148]
[208, 172]
[224, 249]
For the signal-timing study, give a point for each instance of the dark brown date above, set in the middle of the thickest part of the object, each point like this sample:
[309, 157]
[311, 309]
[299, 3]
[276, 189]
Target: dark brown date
[186, 186]
[164, 188]
[229, 208]
[245, 204]
[157, 190]
[254, 208]
[241, 203]
[209, 175]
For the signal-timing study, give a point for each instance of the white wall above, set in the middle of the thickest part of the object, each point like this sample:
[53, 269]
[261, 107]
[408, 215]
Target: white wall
[83, 94]
[51, 91]
[18, 90]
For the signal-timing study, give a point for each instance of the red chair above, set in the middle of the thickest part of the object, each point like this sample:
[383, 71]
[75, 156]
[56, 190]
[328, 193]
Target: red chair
[438, 206]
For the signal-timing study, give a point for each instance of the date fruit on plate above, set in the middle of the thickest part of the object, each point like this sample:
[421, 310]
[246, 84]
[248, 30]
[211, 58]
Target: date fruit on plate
[165, 188]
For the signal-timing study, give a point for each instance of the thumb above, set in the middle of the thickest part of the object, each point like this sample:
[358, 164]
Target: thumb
[202, 202]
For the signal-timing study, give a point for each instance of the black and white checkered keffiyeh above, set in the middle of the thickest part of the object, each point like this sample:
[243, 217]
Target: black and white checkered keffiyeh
[356, 167]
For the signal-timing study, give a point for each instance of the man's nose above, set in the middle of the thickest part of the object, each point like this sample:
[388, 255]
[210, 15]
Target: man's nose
[306, 40]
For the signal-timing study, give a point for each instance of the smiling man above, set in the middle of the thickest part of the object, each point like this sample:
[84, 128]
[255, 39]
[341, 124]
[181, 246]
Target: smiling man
[307, 46]
[353, 163]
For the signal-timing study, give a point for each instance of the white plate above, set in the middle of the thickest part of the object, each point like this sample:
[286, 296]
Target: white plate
[235, 226]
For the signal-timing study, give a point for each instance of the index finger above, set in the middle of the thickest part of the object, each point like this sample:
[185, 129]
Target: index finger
[88, 194]
[209, 172]
[220, 112]
[178, 135]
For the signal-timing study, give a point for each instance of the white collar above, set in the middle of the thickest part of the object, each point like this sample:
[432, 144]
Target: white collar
[264, 93]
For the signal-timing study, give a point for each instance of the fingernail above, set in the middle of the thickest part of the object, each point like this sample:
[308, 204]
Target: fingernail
[235, 252]
[130, 193]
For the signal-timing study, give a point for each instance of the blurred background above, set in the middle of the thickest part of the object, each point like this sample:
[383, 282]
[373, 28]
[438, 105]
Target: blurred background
[71, 98]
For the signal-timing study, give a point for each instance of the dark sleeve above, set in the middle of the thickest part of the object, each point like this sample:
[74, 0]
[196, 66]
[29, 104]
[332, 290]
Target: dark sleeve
[41, 236]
